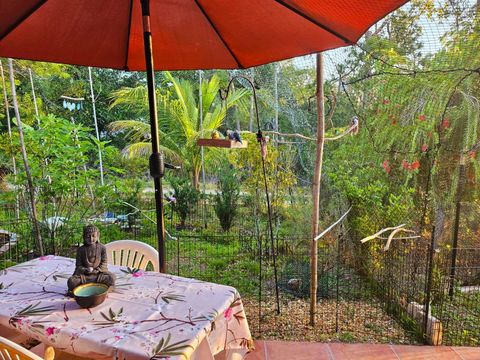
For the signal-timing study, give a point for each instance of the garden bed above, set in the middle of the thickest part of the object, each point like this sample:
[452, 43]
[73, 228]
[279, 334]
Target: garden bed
[358, 321]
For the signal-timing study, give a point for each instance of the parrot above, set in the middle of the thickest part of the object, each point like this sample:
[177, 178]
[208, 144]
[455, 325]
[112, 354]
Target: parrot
[354, 123]
[229, 135]
[236, 136]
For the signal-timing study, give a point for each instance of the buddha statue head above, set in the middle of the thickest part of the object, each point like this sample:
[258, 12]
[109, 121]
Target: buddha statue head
[91, 235]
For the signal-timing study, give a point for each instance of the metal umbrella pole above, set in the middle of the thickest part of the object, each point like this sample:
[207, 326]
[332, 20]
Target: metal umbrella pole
[157, 166]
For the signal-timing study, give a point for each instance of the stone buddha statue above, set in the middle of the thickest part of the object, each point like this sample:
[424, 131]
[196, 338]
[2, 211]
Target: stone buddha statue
[91, 264]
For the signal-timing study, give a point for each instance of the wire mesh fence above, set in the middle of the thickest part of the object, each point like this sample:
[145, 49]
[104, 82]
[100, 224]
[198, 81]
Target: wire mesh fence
[413, 82]
[410, 293]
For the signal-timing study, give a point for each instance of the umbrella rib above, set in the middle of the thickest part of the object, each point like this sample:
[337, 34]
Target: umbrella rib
[319, 24]
[218, 34]
[22, 19]
[128, 34]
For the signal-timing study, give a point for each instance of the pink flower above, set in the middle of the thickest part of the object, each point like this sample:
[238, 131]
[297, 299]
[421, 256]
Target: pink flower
[45, 257]
[50, 330]
[405, 164]
[138, 273]
[228, 314]
[422, 117]
[424, 147]
[386, 166]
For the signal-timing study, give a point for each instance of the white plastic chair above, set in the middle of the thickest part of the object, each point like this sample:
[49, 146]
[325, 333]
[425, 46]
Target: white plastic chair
[131, 253]
[12, 351]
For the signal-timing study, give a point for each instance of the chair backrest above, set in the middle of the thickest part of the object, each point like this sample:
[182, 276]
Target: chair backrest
[131, 253]
[11, 351]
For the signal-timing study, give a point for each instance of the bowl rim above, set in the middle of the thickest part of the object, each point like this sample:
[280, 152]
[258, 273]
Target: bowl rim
[80, 287]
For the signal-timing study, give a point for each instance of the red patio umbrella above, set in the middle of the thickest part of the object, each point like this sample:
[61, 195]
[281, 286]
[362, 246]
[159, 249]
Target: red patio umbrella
[187, 34]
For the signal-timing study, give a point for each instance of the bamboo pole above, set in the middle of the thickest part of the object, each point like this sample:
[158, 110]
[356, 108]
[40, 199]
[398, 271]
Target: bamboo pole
[202, 156]
[97, 133]
[36, 226]
[316, 187]
[252, 102]
[34, 96]
[9, 127]
[275, 91]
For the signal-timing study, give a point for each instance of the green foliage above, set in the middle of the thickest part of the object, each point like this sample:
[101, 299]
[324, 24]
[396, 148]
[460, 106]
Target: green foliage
[186, 197]
[179, 117]
[227, 200]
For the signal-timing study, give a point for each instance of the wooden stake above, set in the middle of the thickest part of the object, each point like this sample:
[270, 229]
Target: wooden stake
[316, 187]
[38, 236]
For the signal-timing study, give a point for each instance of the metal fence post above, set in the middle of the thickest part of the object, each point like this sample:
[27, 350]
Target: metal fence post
[461, 180]
[428, 290]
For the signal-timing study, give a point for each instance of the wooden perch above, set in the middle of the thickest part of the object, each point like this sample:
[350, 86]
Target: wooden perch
[319, 236]
[377, 234]
[346, 132]
[394, 230]
[304, 137]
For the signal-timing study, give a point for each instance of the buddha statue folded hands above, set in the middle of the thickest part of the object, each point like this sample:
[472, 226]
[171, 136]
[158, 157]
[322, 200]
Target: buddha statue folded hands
[91, 262]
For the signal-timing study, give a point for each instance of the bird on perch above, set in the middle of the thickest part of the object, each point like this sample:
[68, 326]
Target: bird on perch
[236, 136]
[229, 135]
[215, 135]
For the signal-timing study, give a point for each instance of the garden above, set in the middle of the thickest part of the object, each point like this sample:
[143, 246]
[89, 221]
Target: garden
[400, 262]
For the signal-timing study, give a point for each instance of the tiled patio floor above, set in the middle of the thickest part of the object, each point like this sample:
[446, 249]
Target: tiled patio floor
[278, 350]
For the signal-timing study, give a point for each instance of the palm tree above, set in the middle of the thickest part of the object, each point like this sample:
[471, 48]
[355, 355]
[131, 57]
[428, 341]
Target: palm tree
[179, 121]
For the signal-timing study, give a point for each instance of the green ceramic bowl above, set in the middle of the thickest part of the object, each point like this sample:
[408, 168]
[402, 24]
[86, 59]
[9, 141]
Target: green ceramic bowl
[90, 295]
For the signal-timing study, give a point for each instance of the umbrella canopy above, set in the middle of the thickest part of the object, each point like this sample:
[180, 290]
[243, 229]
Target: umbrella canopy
[187, 34]
[180, 34]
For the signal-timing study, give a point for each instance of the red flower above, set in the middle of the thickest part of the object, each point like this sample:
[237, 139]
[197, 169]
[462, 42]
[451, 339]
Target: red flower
[424, 148]
[50, 331]
[415, 165]
[422, 117]
[386, 166]
[386, 101]
[445, 123]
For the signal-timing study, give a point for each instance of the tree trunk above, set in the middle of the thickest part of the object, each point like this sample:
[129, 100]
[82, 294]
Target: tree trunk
[196, 179]
[316, 187]
[36, 227]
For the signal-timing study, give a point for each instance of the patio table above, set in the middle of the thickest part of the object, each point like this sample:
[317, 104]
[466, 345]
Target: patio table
[147, 315]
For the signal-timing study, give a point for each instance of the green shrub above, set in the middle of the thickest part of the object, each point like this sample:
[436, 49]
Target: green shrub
[186, 197]
[226, 201]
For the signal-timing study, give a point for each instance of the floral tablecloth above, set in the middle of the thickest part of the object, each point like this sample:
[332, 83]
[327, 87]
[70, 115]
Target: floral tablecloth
[147, 315]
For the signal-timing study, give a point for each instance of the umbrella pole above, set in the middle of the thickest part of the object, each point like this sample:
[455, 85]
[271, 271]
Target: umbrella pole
[157, 167]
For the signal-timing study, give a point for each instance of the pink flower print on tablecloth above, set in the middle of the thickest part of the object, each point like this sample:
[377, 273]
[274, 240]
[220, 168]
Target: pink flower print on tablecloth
[228, 314]
[50, 330]
[46, 257]
[138, 273]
